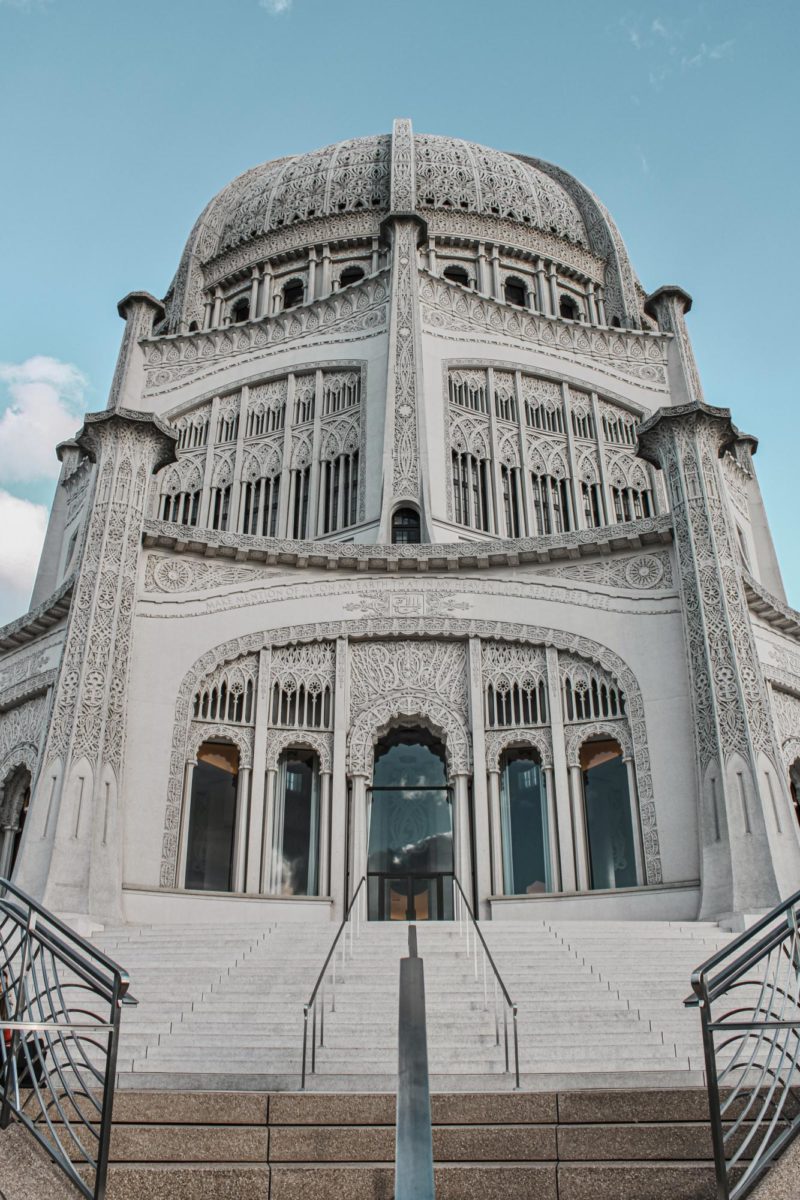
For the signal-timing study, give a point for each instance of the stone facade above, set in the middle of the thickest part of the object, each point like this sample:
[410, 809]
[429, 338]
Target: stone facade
[403, 447]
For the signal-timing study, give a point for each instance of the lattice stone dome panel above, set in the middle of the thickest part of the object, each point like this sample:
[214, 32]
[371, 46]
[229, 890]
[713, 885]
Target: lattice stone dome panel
[354, 176]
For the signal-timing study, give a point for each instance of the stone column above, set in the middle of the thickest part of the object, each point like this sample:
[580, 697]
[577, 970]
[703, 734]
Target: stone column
[253, 880]
[240, 833]
[324, 832]
[496, 831]
[76, 869]
[552, 828]
[480, 800]
[359, 833]
[579, 828]
[338, 846]
[255, 275]
[461, 839]
[268, 855]
[636, 823]
[747, 863]
[562, 806]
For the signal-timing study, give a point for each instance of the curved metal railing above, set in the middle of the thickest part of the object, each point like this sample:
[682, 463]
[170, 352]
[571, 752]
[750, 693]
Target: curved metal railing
[469, 927]
[749, 1000]
[60, 1005]
[352, 918]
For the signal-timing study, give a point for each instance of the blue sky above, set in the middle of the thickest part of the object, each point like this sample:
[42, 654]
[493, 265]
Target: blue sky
[122, 119]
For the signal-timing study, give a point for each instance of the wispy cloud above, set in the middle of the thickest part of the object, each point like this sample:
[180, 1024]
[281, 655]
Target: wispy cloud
[668, 47]
[22, 530]
[276, 7]
[706, 53]
[43, 405]
[25, 4]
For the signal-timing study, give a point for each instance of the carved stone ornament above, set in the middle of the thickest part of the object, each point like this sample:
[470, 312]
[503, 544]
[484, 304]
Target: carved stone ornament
[279, 740]
[500, 740]
[21, 732]
[204, 731]
[617, 731]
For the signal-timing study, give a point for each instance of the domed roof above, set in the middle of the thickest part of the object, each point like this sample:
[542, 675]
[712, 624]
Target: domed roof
[355, 176]
[348, 188]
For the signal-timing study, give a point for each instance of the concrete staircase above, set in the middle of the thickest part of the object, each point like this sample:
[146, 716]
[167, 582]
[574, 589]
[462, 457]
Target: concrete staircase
[599, 1005]
[625, 1145]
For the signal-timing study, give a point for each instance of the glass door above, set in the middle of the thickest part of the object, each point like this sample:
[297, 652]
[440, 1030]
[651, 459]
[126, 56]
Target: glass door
[410, 856]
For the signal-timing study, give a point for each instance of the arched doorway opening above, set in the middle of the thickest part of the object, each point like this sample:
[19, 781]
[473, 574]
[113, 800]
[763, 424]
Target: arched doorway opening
[16, 799]
[410, 856]
[524, 821]
[212, 818]
[297, 824]
[607, 809]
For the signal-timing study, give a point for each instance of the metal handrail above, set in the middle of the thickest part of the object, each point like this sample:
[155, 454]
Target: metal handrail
[58, 1045]
[354, 907]
[461, 905]
[413, 1160]
[752, 1046]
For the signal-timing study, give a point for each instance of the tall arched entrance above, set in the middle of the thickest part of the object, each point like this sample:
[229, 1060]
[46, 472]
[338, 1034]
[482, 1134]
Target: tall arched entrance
[410, 855]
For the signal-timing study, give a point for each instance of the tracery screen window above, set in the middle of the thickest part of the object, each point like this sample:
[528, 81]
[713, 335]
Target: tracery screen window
[470, 490]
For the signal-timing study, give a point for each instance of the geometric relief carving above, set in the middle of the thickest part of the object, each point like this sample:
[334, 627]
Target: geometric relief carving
[168, 573]
[642, 572]
[787, 719]
[520, 738]
[20, 733]
[576, 735]
[405, 471]
[381, 668]
[203, 731]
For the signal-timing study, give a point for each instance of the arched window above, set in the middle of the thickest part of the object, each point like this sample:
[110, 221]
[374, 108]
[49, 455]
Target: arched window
[339, 486]
[524, 824]
[293, 293]
[470, 490]
[457, 274]
[296, 866]
[16, 801]
[351, 275]
[568, 308]
[406, 527]
[607, 810]
[181, 507]
[299, 481]
[260, 501]
[193, 327]
[515, 292]
[220, 507]
[509, 479]
[592, 504]
[212, 818]
[551, 507]
[240, 310]
[631, 504]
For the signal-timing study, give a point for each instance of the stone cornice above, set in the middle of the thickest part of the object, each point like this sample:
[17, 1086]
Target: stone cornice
[770, 608]
[40, 620]
[432, 556]
[27, 689]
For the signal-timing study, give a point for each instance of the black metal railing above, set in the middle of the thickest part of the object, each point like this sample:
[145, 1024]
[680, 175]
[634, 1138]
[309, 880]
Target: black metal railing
[355, 914]
[749, 1000]
[60, 1006]
[479, 952]
[413, 1160]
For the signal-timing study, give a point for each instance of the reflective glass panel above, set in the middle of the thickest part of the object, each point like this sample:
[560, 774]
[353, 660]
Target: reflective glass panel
[212, 817]
[411, 829]
[523, 811]
[298, 823]
[612, 860]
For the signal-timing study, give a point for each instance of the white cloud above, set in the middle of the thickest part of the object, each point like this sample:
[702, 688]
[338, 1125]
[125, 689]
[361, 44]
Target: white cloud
[45, 405]
[22, 530]
[276, 7]
[660, 28]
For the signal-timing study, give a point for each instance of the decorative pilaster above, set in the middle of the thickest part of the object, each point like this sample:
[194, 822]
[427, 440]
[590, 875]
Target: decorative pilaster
[748, 862]
[480, 799]
[73, 860]
[402, 433]
[669, 306]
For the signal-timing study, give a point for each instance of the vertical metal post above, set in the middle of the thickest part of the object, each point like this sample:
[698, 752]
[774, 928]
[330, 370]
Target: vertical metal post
[414, 1138]
[305, 1048]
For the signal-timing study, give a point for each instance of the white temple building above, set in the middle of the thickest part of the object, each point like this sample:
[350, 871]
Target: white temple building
[407, 546]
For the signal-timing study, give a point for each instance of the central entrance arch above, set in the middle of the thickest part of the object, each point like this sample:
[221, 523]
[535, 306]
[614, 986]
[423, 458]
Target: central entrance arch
[410, 852]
